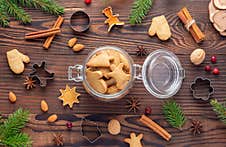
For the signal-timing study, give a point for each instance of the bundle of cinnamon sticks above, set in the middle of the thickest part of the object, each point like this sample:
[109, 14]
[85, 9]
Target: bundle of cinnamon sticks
[191, 25]
[155, 127]
[50, 33]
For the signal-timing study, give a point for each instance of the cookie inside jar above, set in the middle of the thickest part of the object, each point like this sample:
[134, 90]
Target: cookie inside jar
[108, 71]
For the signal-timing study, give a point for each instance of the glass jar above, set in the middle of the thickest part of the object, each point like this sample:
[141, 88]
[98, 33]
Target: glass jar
[162, 74]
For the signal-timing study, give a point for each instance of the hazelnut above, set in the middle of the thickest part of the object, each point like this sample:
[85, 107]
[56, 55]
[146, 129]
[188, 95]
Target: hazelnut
[197, 56]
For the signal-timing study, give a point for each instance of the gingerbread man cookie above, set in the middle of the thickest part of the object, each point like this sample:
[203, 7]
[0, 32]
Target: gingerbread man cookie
[120, 76]
[134, 141]
[95, 81]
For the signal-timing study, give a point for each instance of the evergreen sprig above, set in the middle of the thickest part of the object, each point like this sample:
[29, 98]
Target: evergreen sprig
[174, 114]
[220, 109]
[49, 6]
[4, 18]
[10, 130]
[139, 10]
[12, 8]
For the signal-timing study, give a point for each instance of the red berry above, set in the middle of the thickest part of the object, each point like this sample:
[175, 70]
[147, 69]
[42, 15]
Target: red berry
[216, 71]
[69, 125]
[207, 68]
[213, 59]
[88, 2]
[147, 110]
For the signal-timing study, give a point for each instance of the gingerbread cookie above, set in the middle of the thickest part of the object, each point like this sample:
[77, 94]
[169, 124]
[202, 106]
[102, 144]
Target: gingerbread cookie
[120, 76]
[112, 89]
[125, 62]
[134, 141]
[108, 71]
[16, 61]
[95, 80]
[115, 55]
[101, 60]
[105, 71]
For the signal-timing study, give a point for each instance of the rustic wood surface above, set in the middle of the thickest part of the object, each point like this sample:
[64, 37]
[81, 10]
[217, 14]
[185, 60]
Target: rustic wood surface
[59, 57]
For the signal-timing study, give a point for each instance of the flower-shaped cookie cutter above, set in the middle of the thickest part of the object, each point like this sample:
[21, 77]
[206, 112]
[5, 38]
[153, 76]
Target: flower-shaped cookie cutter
[41, 74]
[87, 126]
[202, 88]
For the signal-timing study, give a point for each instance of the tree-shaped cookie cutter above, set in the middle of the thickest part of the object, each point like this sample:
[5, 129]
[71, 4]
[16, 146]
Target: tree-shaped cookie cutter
[91, 124]
[36, 74]
[202, 88]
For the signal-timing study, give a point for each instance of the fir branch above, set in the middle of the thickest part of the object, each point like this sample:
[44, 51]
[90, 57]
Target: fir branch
[18, 140]
[139, 10]
[4, 19]
[174, 114]
[49, 6]
[14, 123]
[16, 11]
[220, 109]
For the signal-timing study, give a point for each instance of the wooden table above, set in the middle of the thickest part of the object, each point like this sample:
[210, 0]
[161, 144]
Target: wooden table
[59, 57]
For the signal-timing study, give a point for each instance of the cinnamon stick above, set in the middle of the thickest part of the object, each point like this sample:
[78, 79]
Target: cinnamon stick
[155, 127]
[42, 33]
[49, 40]
[185, 17]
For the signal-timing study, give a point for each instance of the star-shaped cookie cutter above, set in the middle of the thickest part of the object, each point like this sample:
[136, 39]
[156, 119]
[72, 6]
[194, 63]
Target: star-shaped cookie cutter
[201, 83]
[41, 74]
[83, 132]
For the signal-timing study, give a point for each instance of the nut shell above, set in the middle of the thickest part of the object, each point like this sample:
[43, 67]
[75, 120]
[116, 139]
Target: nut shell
[44, 106]
[52, 118]
[197, 56]
[12, 97]
[114, 127]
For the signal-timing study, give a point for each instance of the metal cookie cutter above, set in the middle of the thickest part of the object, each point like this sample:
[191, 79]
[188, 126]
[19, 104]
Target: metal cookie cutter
[202, 88]
[90, 130]
[41, 74]
[79, 21]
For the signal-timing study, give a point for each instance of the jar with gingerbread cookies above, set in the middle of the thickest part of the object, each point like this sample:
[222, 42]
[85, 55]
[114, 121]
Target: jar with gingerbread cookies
[108, 73]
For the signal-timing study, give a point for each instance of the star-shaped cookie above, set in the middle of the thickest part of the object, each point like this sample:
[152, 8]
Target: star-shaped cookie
[69, 96]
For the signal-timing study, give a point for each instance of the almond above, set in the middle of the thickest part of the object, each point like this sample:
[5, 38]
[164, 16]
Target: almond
[44, 106]
[72, 42]
[12, 97]
[114, 127]
[52, 118]
[78, 47]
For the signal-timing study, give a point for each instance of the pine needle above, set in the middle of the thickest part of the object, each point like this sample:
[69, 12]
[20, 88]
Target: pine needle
[12, 8]
[4, 19]
[220, 110]
[18, 140]
[17, 12]
[10, 130]
[139, 10]
[174, 114]
[49, 6]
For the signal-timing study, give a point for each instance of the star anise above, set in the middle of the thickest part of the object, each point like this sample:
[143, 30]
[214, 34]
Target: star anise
[196, 127]
[133, 104]
[29, 83]
[141, 51]
[58, 139]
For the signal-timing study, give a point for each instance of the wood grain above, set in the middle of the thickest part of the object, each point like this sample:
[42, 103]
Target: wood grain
[59, 57]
